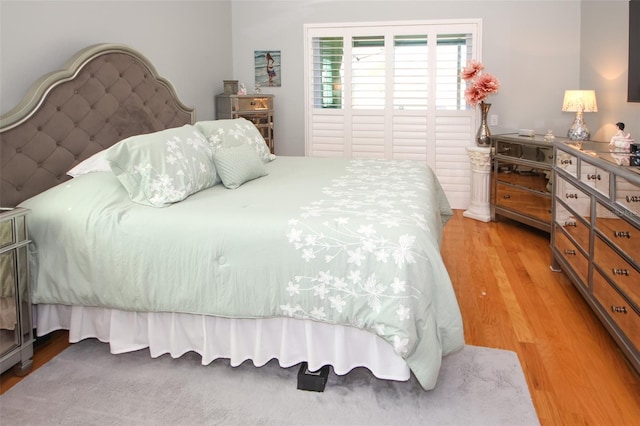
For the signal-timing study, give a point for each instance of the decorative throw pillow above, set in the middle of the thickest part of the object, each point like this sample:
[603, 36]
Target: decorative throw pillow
[237, 165]
[233, 132]
[164, 167]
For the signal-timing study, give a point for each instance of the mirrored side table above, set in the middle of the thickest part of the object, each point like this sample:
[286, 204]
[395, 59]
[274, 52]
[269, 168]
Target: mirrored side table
[16, 331]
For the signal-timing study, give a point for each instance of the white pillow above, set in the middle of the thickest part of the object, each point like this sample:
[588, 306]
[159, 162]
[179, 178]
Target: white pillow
[96, 163]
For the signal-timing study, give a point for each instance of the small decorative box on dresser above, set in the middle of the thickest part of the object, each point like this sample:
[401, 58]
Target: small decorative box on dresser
[16, 334]
[521, 182]
[595, 238]
[256, 108]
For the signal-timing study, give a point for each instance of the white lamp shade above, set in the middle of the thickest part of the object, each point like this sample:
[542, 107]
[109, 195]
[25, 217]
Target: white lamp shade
[580, 101]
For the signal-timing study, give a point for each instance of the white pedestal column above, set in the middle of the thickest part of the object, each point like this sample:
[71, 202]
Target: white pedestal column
[479, 208]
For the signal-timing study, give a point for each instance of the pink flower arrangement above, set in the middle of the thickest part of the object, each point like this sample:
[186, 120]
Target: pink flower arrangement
[480, 85]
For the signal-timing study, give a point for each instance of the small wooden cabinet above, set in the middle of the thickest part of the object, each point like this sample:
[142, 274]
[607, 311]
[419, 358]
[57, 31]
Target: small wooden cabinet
[16, 332]
[256, 108]
[595, 237]
[521, 180]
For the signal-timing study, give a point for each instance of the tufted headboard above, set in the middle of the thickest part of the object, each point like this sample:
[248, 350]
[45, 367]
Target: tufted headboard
[105, 93]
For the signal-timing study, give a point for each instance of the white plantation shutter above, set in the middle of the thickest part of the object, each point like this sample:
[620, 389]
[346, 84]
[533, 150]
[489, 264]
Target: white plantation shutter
[368, 68]
[393, 90]
[411, 72]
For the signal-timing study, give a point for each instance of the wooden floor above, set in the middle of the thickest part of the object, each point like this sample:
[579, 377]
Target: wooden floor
[510, 299]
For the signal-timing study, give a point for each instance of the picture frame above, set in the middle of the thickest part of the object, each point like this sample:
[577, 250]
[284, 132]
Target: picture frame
[267, 68]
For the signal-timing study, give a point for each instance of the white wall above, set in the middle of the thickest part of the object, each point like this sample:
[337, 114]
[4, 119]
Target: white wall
[189, 42]
[533, 47]
[537, 49]
[604, 66]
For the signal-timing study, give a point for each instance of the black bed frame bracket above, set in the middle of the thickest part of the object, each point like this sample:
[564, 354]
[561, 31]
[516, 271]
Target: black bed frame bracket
[312, 380]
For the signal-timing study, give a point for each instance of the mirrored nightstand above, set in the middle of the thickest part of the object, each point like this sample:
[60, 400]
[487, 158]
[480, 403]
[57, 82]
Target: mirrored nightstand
[16, 331]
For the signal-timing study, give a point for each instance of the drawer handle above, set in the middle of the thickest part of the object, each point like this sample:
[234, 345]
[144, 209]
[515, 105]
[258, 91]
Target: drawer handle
[571, 252]
[571, 196]
[624, 272]
[565, 161]
[593, 177]
[571, 223]
[619, 309]
[506, 197]
[633, 198]
[622, 234]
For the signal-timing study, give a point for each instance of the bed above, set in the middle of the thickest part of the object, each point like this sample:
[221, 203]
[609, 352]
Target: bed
[180, 235]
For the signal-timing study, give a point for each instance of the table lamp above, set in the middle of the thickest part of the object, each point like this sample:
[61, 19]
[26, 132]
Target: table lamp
[579, 101]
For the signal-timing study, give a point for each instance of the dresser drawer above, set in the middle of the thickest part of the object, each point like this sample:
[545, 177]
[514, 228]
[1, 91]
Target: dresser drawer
[525, 202]
[628, 195]
[524, 151]
[595, 177]
[14, 229]
[618, 309]
[252, 103]
[7, 236]
[621, 272]
[534, 178]
[572, 255]
[573, 226]
[624, 234]
[577, 200]
[567, 162]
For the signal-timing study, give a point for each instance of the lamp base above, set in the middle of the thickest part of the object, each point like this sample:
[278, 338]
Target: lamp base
[579, 130]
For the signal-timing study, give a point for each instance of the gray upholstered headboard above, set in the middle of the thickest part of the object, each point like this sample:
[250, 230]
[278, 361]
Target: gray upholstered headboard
[105, 93]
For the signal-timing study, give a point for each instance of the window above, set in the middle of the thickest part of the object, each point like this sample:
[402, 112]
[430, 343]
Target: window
[391, 90]
[409, 63]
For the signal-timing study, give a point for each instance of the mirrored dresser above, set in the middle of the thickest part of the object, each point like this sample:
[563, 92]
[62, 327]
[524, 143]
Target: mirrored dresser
[521, 180]
[595, 238]
[16, 332]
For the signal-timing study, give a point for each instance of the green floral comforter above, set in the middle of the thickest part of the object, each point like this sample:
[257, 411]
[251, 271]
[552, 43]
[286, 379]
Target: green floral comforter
[353, 242]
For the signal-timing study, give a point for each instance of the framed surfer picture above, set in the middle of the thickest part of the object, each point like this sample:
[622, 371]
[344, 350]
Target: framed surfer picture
[267, 68]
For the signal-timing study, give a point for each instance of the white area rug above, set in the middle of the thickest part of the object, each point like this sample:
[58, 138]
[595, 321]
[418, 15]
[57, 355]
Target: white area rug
[86, 385]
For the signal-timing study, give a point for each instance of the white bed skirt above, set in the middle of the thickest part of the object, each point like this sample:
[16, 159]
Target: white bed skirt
[289, 340]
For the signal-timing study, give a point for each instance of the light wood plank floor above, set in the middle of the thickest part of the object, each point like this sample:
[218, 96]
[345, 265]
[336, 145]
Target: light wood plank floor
[510, 299]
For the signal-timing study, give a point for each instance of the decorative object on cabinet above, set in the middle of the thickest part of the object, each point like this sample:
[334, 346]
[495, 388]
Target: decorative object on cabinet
[230, 87]
[256, 108]
[579, 101]
[268, 68]
[479, 207]
[621, 140]
[522, 179]
[480, 85]
[549, 137]
[16, 333]
[595, 237]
